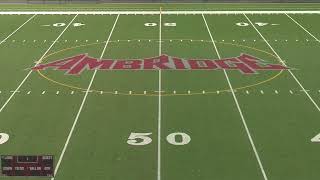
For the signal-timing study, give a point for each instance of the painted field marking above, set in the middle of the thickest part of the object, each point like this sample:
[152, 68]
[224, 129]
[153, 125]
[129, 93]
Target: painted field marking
[159, 103]
[39, 61]
[82, 104]
[238, 107]
[282, 62]
[4, 40]
[302, 27]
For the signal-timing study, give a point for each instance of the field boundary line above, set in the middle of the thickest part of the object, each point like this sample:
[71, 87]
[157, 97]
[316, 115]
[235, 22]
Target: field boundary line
[133, 12]
[4, 40]
[39, 61]
[283, 63]
[159, 102]
[82, 104]
[303, 27]
[238, 107]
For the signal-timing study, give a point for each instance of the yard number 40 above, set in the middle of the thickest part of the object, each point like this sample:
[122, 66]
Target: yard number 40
[140, 139]
[3, 138]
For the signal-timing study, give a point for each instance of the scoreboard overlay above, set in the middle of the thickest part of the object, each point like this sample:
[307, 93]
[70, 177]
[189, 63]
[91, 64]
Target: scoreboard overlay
[13, 165]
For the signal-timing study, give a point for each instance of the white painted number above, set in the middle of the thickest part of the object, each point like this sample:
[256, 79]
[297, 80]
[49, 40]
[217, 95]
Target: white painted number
[242, 24]
[256, 23]
[78, 24]
[3, 138]
[150, 24]
[164, 24]
[59, 24]
[139, 139]
[64, 24]
[170, 24]
[316, 139]
[261, 23]
[178, 138]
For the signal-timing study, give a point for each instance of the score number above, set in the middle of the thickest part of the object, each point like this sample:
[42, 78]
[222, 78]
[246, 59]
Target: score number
[140, 139]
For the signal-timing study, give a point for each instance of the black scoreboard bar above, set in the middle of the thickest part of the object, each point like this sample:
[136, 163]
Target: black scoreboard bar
[12, 165]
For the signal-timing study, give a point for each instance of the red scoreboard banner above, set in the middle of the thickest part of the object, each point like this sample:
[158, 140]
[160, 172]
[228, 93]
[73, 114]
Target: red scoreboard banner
[12, 165]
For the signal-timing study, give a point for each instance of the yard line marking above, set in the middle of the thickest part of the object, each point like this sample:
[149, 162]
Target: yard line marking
[43, 92]
[289, 70]
[290, 91]
[4, 40]
[82, 103]
[39, 61]
[159, 104]
[238, 107]
[302, 27]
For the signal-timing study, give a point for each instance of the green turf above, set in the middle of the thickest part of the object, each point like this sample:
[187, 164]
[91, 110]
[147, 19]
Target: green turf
[281, 119]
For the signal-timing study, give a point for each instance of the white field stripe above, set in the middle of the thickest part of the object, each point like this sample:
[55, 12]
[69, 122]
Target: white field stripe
[282, 62]
[133, 12]
[239, 109]
[159, 105]
[17, 29]
[82, 104]
[303, 28]
[39, 61]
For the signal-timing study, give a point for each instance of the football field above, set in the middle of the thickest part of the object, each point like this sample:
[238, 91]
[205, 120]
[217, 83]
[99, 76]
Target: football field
[163, 94]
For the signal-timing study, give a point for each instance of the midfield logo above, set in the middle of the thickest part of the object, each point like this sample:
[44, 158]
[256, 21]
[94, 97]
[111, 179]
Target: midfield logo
[244, 63]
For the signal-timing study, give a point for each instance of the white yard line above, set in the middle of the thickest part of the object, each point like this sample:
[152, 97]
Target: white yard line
[82, 103]
[239, 108]
[303, 28]
[159, 104]
[4, 40]
[39, 61]
[282, 62]
[132, 12]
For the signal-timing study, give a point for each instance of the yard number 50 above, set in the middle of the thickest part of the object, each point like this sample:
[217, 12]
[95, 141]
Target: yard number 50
[3, 138]
[139, 139]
